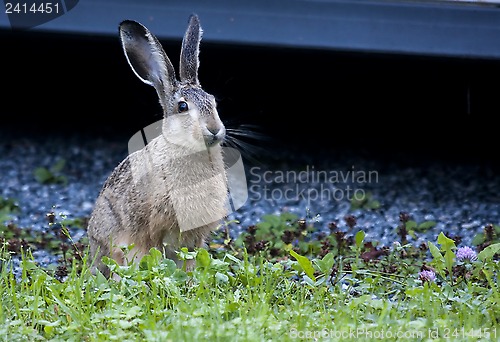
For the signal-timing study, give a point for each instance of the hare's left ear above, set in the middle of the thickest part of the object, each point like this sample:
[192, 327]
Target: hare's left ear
[147, 59]
[189, 62]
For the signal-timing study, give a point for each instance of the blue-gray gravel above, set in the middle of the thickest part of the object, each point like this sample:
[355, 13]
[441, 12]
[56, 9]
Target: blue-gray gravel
[461, 198]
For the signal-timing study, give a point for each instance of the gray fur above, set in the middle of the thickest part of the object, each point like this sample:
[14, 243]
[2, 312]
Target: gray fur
[189, 61]
[173, 192]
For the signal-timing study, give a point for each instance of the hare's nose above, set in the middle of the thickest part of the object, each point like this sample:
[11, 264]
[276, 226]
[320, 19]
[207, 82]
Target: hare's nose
[214, 135]
[214, 130]
[217, 132]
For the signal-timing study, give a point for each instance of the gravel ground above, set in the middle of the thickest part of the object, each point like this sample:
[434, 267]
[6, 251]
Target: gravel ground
[461, 198]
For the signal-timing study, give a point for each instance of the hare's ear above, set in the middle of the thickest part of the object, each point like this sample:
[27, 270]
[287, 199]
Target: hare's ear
[189, 62]
[147, 58]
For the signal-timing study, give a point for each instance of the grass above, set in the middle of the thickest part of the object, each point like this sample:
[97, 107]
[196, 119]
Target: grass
[280, 280]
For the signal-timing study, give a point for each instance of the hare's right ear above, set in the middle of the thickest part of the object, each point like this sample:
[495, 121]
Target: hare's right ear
[147, 58]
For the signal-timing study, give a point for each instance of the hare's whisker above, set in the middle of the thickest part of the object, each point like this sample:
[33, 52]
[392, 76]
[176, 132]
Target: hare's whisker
[245, 133]
[249, 151]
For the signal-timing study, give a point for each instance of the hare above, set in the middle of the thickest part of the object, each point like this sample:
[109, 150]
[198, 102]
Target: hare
[173, 192]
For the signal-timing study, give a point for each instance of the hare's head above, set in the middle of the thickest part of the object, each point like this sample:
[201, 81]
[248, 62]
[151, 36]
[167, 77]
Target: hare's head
[190, 113]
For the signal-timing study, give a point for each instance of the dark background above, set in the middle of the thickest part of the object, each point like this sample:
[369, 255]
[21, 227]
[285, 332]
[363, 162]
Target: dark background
[307, 101]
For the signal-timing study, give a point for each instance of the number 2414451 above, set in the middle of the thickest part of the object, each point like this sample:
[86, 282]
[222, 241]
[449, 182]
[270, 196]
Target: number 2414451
[32, 8]
[472, 333]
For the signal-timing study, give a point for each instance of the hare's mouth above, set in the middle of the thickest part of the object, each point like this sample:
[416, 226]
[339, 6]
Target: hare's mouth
[214, 137]
[212, 140]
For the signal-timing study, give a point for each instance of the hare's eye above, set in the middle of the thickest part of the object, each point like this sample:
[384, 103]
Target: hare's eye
[182, 106]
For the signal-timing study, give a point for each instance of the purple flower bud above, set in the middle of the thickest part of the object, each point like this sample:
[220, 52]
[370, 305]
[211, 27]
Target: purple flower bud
[466, 253]
[427, 276]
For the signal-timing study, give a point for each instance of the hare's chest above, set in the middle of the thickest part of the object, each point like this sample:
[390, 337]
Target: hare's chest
[197, 201]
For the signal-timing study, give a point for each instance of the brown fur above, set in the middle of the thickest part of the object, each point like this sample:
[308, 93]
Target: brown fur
[173, 192]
